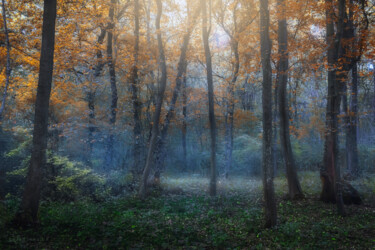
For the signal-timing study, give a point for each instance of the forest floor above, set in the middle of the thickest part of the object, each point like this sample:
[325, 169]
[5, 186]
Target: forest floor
[193, 220]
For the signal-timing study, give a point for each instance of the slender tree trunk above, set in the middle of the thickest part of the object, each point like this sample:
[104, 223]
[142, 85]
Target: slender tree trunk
[268, 187]
[8, 69]
[184, 124]
[112, 75]
[30, 201]
[159, 103]
[137, 129]
[211, 109]
[230, 106]
[181, 72]
[91, 94]
[352, 115]
[294, 187]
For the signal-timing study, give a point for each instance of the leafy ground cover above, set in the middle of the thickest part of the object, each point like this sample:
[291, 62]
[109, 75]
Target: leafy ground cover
[192, 219]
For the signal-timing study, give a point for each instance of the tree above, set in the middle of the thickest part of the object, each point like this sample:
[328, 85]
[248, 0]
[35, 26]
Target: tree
[332, 186]
[112, 75]
[137, 127]
[8, 69]
[294, 187]
[268, 188]
[159, 103]
[30, 201]
[210, 86]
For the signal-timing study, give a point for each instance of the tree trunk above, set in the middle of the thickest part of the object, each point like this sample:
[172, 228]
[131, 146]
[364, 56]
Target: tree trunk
[8, 69]
[211, 108]
[294, 187]
[184, 124]
[114, 97]
[352, 115]
[30, 201]
[230, 107]
[268, 187]
[331, 176]
[159, 103]
[137, 129]
[181, 72]
[91, 94]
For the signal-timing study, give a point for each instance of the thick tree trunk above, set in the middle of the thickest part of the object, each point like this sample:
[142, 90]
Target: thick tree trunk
[30, 201]
[114, 97]
[294, 187]
[268, 187]
[159, 103]
[8, 69]
[331, 176]
[137, 129]
[211, 108]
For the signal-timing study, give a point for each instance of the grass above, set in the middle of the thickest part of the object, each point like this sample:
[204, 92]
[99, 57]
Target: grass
[233, 219]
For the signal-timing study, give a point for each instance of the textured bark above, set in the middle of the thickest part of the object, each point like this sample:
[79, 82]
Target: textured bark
[159, 103]
[268, 187]
[332, 187]
[8, 69]
[137, 128]
[294, 187]
[114, 97]
[30, 201]
[211, 109]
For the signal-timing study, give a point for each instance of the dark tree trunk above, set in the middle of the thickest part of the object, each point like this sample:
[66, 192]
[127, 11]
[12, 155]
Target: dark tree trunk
[137, 129]
[352, 115]
[331, 176]
[294, 187]
[230, 107]
[30, 201]
[91, 94]
[114, 97]
[159, 103]
[184, 124]
[268, 187]
[211, 108]
[8, 69]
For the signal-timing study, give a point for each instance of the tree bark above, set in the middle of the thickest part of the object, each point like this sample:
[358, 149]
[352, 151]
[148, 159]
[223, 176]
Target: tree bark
[294, 187]
[229, 121]
[331, 176]
[352, 115]
[137, 129]
[184, 124]
[159, 103]
[91, 94]
[211, 108]
[8, 69]
[114, 97]
[268, 187]
[28, 212]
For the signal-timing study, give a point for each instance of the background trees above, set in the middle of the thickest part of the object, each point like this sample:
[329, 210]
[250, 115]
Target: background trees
[106, 96]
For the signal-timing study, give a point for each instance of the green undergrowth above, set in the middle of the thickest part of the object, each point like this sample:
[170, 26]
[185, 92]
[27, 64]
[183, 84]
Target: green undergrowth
[191, 220]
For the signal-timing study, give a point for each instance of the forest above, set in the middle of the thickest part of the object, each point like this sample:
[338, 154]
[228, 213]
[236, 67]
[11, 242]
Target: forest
[187, 124]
